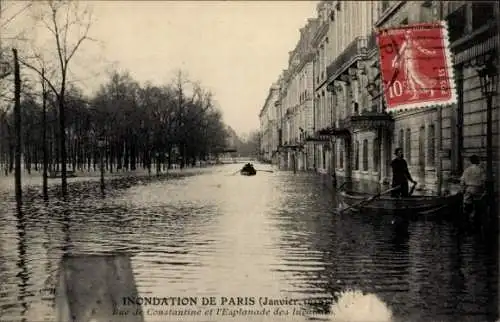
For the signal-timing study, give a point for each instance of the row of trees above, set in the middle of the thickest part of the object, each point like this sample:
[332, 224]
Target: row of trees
[250, 146]
[126, 123]
[131, 124]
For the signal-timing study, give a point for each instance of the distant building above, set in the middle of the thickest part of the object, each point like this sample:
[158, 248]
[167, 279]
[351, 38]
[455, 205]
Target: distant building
[295, 103]
[269, 126]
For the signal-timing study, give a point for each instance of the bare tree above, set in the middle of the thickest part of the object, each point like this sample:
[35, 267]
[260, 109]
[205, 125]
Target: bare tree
[64, 20]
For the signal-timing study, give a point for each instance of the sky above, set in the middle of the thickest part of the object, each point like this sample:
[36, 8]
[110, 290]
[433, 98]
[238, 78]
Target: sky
[237, 49]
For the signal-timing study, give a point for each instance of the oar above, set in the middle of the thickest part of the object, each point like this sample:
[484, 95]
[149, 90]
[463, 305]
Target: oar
[266, 170]
[342, 186]
[232, 174]
[368, 200]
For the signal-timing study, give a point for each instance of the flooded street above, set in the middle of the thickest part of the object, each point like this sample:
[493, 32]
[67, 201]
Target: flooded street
[271, 235]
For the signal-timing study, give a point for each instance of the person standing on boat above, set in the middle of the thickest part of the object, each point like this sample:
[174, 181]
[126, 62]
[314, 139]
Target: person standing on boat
[400, 175]
[473, 182]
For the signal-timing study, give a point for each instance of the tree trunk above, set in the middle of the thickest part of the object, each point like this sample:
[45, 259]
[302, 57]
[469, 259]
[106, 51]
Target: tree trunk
[158, 163]
[62, 130]
[133, 155]
[12, 151]
[44, 138]
[119, 156]
[17, 122]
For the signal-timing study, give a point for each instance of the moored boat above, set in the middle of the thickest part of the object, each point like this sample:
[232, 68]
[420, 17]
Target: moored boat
[413, 205]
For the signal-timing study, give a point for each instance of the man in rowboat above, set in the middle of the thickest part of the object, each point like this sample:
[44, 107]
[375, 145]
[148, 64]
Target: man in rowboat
[400, 175]
[473, 185]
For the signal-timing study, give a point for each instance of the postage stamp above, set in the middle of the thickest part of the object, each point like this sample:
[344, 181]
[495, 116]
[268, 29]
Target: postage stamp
[416, 66]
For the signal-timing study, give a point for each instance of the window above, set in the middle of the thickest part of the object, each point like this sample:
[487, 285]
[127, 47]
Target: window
[431, 148]
[456, 22]
[407, 149]
[341, 157]
[385, 6]
[404, 22]
[324, 158]
[421, 150]
[426, 13]
[482, 13]
[457, 129]
[356, 161]
[356, 108]
[401, 139]
[376, 154]
[365, 155]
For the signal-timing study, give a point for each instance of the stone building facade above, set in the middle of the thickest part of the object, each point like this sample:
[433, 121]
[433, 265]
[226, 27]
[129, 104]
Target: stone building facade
[349, 133]
[296, 103]
[341, 85]
[436, 141]
[322, 97]
[269, 119]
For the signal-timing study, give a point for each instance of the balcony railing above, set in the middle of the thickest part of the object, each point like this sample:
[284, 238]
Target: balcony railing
[344, 123]
[357, 48]
[371, 120]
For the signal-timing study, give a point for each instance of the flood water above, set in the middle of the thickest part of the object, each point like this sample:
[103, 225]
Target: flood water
[272, 235]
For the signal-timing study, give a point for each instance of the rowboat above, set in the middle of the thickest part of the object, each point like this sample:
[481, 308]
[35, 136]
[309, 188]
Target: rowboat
[413, 205]
[248, 172]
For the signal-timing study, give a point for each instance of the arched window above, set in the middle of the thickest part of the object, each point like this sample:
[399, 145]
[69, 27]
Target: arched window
[365, 155]
[431, 148]
[407, 149]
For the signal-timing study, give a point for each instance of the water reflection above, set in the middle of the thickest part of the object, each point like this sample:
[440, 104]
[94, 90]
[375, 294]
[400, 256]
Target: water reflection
[440, 277]
[23, 274]
[270, 235]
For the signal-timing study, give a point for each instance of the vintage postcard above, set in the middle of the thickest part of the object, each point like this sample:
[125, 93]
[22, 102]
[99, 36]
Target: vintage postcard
[249, 161]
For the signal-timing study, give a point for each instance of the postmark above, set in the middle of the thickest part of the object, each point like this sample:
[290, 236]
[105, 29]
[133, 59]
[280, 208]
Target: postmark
[416, 66]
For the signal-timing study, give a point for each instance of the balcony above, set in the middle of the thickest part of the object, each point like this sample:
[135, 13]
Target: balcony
[366, 121]
[293, 145]
[320, 33]
[307, 57]
[371, 121]
[356, 49]
[341, 128]
[317, 138]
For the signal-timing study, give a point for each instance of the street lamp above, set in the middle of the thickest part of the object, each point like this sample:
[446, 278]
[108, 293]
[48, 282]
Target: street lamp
[101, 143]
[488, 76]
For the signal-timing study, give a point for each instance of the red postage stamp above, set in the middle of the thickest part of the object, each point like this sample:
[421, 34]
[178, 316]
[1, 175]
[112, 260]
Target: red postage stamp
[416, 66]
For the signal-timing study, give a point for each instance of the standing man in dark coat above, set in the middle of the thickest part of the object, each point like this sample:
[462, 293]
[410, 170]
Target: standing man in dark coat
[400, 175]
